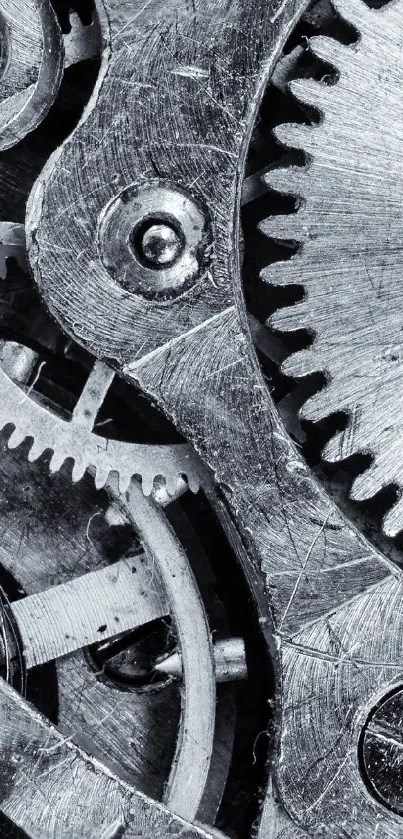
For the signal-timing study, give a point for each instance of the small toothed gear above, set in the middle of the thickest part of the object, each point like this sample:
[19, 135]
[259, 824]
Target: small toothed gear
[348, 226]
[168, 470]
[74, 440]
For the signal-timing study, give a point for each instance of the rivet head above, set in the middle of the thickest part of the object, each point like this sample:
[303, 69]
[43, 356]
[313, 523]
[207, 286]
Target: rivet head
[161, 245]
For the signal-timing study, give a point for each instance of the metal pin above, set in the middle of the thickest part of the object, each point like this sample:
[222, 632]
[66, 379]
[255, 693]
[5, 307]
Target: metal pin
[229, 658]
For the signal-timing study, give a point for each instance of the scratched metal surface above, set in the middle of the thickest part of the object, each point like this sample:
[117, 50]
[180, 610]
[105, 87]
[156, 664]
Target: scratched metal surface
[93, 803]
[134, 734]
[336, 602]
[52, 533]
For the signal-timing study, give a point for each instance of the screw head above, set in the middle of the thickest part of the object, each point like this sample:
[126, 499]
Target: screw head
[161, 245]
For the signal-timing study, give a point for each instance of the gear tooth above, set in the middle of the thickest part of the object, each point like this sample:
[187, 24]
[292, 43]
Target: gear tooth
[393, 521]
[290, 319]
[171, 483]
[319, 406]
[124, 479]
[35, 451]
[193, 481]
[368, 484]
[310, 92]
[83, 41]
[147, 480]
[329, 50]
[296, 135]
[301, 364]
[288, 181]
[56, 462]
[341, 446]
[101, 476]
[283, 273]
[77, 471]
[16, 438]
[289, 227]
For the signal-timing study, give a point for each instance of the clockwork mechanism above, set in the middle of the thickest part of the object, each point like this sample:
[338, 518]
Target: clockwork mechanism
[200, 562]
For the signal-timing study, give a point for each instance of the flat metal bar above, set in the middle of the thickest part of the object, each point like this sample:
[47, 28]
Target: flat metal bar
[92, 608]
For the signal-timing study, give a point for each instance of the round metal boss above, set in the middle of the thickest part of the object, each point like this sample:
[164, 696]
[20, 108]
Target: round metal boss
[381, 752]
[155, 240]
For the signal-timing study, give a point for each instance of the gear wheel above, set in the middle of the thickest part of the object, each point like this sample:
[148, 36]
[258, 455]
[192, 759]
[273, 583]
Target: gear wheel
[348, 225]
[75, 439]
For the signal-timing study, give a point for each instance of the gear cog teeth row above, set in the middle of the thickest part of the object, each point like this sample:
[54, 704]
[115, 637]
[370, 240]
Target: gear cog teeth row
[67, 441]
[348, 259]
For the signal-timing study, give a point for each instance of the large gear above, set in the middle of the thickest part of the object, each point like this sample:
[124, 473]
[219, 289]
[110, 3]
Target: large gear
[348, 230]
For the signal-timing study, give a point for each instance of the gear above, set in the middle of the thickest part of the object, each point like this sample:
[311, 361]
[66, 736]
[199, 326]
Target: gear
[75, 439]
[71, 440]
[349, 228]
[34, 55]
